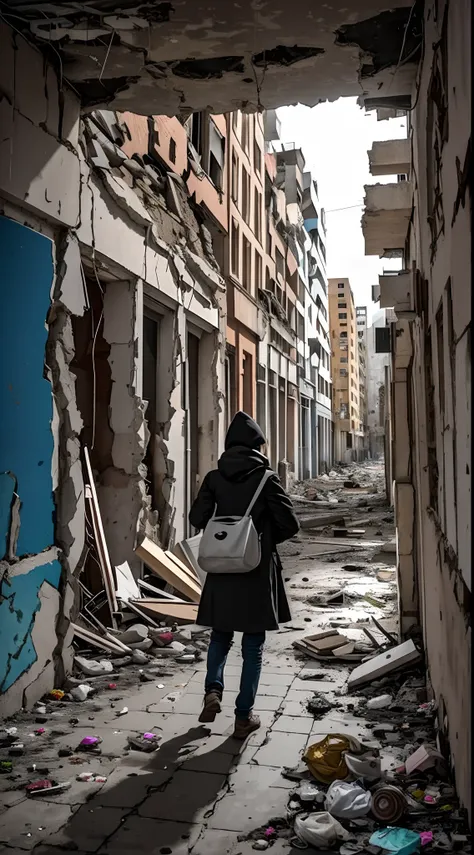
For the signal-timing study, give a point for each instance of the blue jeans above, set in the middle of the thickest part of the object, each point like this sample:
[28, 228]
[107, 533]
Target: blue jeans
[252, 650]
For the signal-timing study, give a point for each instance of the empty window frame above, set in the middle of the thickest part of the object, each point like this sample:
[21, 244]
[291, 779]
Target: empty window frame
[235, 249]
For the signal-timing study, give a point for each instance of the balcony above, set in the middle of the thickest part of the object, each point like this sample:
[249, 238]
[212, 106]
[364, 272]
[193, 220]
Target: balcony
[396, 292]
[386, 217]
[390, 158]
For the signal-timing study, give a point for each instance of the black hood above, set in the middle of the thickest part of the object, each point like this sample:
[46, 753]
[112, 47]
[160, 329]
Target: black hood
[244, 431]
[241, 455]
[238, 462]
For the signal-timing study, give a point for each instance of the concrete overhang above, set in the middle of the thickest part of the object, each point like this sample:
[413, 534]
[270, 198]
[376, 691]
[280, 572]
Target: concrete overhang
[391, 157]
[387, 214]
[396, 292]
[172, 58]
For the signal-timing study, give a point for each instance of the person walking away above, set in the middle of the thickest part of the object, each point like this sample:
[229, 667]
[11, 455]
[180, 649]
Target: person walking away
[248, 602]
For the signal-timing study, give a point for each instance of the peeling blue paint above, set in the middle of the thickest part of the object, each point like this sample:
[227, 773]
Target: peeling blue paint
[17, 617]
[26, 441]
[7, 491]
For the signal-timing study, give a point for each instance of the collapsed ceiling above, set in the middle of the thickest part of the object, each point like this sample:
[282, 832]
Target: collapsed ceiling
[186, 55]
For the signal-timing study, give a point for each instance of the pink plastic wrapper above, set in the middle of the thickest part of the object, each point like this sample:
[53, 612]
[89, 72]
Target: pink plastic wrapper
[90, 740]
[426, 837]
[149, 736]
[166, 637]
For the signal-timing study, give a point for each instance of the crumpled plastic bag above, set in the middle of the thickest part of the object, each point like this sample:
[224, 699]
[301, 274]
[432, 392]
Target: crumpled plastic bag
[320, 830]
[399, 840]
[347, 801]
[325, 759]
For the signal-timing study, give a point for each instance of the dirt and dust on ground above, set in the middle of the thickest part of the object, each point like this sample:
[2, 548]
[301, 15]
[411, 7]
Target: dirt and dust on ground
[130, 769]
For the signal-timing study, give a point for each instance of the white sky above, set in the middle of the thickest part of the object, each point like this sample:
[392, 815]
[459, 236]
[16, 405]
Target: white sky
[335, 138]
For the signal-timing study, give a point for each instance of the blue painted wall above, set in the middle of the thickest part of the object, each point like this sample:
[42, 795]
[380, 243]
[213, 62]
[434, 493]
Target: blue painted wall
[26, 441]
[17, 614]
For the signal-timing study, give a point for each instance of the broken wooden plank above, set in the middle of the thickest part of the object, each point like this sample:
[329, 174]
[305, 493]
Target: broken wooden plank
[385, 663]
[163, 566]
[190, 549]
[156, 592]
[111, 646]
[321, 520]
[180, 612]
[323, 645]
[101, 543]
[324, 657]
[391, 638]
[183, 567]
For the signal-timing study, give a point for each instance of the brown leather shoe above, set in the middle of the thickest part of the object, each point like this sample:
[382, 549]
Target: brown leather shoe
[245, 726]
[212, 706]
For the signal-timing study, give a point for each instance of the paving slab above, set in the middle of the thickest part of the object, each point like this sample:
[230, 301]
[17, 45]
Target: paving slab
[88, 828]
[295, 708]
[252, 800]
[26, 824]
[293, 724]
[216, 842]
[187, 798]
[151, 836]
[281, 749]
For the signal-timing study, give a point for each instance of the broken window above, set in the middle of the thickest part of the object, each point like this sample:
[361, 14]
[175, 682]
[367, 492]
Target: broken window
[247, 390]
[257, 214]
[280, 263]
[258, 270]
[150, 339]
[245, 136]
[216, 156]
[172, 150]
[235, 178]
[246, 264]
[257, 157]
[235, 249]
[245, 195]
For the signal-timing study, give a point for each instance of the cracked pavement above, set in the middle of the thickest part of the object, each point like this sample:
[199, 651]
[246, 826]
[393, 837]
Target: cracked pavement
[201, 789]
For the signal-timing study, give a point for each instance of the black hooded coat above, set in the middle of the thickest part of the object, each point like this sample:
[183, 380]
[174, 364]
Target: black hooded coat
[255, 601]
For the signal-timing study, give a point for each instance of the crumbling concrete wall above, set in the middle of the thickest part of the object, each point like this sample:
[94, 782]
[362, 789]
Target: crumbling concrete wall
[440, 244]
[67, 212]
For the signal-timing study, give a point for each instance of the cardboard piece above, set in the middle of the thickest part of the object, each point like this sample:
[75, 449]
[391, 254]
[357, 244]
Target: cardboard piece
[325, 645]
[168, 569]
[127, 587]
[425, 757]
[384, 663]
[179, 612]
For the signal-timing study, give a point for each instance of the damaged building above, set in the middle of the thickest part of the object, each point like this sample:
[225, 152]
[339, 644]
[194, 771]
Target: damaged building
[112, 278]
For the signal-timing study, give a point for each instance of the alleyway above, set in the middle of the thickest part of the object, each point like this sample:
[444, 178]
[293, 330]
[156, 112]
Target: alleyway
[201, 790]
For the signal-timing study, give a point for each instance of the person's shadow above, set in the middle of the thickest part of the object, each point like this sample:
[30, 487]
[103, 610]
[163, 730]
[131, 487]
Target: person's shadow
[173, 785]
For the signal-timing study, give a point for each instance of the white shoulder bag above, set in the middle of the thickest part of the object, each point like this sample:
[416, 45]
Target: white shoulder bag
[231, 544]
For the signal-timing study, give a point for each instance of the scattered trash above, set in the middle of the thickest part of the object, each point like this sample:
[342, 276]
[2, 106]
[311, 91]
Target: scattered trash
[319, 829]
[388, 804]
[56, 694]
[40, 731]
[112, 686]
[260, 845]
[6, 766]
[367, 765]
[94, 777]
[318, 705]
[93, 667]
[47, 787]
[89, 743]
[325, 759]
[425, 757]
[379, 703]
[347, 801]
[308, 792]
[401, 656]
[426, 837]
[399, 840]
[81, 692]
[123, 711]
[148, 742]
[17, 750]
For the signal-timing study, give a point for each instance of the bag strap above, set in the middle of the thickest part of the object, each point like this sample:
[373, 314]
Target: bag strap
[259, 489]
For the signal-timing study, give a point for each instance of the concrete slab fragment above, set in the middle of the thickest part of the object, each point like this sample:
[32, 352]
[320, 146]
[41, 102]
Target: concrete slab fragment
[293, 724]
